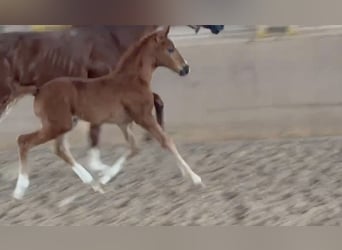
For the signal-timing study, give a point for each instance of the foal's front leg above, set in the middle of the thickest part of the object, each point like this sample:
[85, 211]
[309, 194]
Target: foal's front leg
[149, 123]
[94, 156]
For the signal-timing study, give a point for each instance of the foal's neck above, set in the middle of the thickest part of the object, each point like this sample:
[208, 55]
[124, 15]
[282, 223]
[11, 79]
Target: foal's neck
[140, 62]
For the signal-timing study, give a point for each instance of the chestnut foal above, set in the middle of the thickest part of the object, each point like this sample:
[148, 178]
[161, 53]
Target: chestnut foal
[122, 97]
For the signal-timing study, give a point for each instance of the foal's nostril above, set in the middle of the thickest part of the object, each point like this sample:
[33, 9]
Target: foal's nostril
[185, 70]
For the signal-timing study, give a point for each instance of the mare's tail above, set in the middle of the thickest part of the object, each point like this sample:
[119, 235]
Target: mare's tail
[22, 90]
[9, 95]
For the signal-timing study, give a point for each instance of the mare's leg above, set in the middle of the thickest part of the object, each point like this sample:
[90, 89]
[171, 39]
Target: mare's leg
[159, 107]
[62, 150]
[115, 169]
[149, 123]
[25, 143]
[94, 157]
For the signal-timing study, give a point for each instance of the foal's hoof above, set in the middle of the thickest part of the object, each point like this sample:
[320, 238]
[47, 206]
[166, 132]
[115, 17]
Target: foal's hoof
[18, 196]
[18, 193]
[197, 181]
[110, 173]
[98, 188]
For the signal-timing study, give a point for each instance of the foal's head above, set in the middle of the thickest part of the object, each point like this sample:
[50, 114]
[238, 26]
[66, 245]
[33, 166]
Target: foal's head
[166, 54]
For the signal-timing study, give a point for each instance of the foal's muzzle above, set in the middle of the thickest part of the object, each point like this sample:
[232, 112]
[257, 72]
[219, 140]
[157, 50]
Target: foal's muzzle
[184, 71]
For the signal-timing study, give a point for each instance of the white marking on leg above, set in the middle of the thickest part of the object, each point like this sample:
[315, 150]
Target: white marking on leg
[186, 168]
[86, 177]
[95, 161]
[110, 173]
[22, 184]
[81, 172]
[115, 169]
[183, 173]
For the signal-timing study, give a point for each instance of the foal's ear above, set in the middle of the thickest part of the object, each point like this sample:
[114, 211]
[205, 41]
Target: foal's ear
[162, 32]
[167, 30]
[163, 29]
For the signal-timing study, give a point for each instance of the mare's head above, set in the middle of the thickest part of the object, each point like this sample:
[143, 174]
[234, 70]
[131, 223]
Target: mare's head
[166, 54]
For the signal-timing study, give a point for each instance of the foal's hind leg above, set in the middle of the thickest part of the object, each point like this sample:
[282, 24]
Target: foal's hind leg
[153, 127]
[62, 150]
[25, 143]
[115, 169]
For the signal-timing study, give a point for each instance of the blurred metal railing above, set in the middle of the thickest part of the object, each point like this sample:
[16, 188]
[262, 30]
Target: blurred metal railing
[251, 31]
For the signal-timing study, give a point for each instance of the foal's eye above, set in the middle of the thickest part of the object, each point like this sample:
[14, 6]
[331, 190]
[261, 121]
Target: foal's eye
[170, 50]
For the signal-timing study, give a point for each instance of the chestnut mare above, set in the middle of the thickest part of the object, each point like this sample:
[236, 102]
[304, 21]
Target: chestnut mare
[121, 97]
[32, 59]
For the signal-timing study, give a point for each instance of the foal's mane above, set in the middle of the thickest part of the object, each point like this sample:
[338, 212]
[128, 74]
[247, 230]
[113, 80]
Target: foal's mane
[133, 51]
